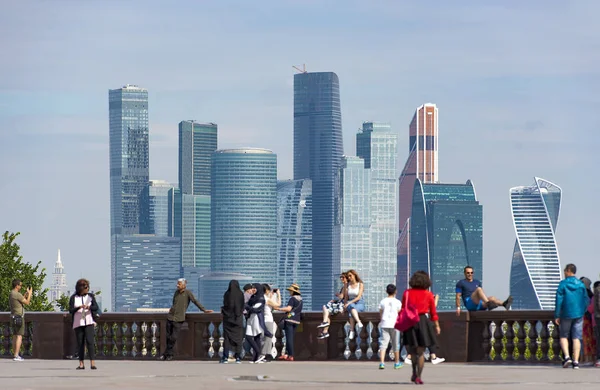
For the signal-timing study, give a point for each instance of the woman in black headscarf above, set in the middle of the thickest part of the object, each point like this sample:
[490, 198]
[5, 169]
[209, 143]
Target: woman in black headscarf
[233, 321]
[255, 327]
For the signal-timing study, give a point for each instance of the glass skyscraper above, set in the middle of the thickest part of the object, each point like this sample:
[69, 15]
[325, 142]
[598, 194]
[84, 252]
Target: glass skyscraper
[244, 213]
[154, 208]
[535, 271]
[446, 235]
[377, 144]
[294, 235]
[147, 270]
[197, 142]
[318, 150]
[129, 164]
[355, 232]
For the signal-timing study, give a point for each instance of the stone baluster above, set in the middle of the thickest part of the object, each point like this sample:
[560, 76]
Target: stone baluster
[138, 341]
[127, 339]
[118, 332]
[521, 343]
[556, 351]
[487, 342]
[498, 336]
[216, 343]
[375, 340]
[510, 340]
[100, 339]
[364, 341]
[533, 341]
[545, 344]
[279, 338]
[110, 340]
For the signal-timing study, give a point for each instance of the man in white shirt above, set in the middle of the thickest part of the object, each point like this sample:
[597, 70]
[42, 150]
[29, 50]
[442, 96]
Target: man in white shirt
[388, 309]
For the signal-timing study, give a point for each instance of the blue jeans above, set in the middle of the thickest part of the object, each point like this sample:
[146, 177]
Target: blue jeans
[289, 329]
[358, 306]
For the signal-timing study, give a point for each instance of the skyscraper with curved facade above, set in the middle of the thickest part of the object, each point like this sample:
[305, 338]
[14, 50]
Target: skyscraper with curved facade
[422, 164]
[244, 213]
[535, 270]
[446, 235]
[318, 150]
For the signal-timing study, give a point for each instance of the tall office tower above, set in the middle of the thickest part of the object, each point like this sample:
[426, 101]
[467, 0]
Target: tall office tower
[355, 232]
[294, 235]
[129, 163]
[446, 235]
[422, 164]
[535, 271]
[197, 142]
[378, 146]
[318, 150]
[59, 282]
[147, 271]
[244, 213]
[154, 208]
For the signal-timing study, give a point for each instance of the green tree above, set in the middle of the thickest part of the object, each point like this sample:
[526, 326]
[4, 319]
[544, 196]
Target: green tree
[12, 267]
[63, 302]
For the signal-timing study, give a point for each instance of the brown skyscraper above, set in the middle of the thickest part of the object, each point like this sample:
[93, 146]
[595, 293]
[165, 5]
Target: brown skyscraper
[422, 163]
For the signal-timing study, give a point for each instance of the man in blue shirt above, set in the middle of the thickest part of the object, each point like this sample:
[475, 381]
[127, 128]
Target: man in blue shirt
[570, 305]
[473, 296]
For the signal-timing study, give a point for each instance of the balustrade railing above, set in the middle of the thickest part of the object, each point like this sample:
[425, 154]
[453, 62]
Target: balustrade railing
[491, 337]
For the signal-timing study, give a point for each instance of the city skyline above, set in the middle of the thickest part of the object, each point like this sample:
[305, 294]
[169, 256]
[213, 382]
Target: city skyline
[509, 99]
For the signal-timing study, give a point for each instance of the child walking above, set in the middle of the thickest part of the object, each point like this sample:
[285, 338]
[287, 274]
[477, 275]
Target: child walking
[388, 309]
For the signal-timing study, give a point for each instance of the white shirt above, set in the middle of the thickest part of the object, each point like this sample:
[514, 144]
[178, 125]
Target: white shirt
[353, 291]
[269, 310]
[253, 327]
[82, 317]
[390, 308]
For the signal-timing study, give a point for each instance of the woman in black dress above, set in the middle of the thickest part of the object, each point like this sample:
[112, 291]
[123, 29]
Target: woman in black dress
[233, 321]
[423, 334]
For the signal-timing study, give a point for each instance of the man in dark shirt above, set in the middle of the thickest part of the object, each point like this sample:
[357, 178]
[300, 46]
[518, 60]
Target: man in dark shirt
[176, 316]
[473, 296]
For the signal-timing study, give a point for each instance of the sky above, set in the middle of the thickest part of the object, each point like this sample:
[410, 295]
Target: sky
[511, 79]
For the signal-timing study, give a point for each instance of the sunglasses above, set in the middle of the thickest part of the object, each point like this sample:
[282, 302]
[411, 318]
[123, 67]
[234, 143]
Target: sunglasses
[468, 273]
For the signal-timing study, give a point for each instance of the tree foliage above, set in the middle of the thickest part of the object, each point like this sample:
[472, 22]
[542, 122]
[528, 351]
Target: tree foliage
[63, 302]
[12, 267]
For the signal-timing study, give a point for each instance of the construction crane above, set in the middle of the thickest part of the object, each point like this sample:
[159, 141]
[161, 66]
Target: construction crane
[303, 70]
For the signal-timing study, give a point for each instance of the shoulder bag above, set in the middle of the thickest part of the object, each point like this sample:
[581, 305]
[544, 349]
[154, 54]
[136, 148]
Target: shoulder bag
[408, 316]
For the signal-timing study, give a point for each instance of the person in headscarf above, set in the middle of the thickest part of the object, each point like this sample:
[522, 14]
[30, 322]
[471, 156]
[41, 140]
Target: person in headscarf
[589, 342]
[255, 327]
[233, 321]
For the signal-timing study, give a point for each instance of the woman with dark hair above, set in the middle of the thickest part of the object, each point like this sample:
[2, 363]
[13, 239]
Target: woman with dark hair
[233, 321]
[256, 327]
[83, 309]
[422, 335]
[333, 307]
[291, 320]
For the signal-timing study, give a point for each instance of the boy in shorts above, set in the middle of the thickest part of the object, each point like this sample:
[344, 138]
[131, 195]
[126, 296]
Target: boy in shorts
[388, 309]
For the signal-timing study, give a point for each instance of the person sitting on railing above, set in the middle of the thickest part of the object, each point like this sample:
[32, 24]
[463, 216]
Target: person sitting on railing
[176, 316]
[333, 307]
[355, 303]
[473, 296]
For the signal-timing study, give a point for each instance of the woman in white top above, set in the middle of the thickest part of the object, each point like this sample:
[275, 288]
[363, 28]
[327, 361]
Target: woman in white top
[354, 302]
[272, 299]
[83, 308]
[255, 326]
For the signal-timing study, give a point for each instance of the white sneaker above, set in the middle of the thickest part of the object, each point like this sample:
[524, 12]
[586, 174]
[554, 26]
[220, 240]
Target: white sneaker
[18, 359]
[408, 361]
[351, 335]
[438, 360]
[261, 359]
[359, 327]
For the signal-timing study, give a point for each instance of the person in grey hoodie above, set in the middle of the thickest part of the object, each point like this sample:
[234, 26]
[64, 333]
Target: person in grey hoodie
[570, 305]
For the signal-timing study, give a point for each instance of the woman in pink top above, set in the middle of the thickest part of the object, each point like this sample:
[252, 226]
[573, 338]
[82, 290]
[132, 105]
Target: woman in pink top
[83, 308]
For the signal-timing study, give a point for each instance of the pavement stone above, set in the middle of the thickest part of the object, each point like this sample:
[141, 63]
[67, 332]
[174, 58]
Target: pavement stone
[126, 375]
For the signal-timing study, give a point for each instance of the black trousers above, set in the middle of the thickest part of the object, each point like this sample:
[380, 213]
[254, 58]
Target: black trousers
[256, 345]
[85, 336]
[289, 330]
[173, 329]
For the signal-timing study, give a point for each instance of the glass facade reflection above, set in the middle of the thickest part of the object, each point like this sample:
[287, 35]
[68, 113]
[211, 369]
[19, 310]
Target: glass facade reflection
[535, 270]
[446, 234]
[197, 142]
[318, 150]
[129, 163]
[147, 271]
[294, 235]
[244, 213]
[154, 208]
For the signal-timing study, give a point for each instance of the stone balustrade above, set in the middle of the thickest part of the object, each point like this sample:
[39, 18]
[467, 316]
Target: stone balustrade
[491, 337]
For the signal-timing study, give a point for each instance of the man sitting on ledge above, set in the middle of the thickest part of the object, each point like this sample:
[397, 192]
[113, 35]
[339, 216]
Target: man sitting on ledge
[474, 297]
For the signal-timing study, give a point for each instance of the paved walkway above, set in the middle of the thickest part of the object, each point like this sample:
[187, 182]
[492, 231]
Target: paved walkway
[126, 375]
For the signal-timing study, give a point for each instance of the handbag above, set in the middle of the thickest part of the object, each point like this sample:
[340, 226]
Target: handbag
[16, 320]
[407, 318]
